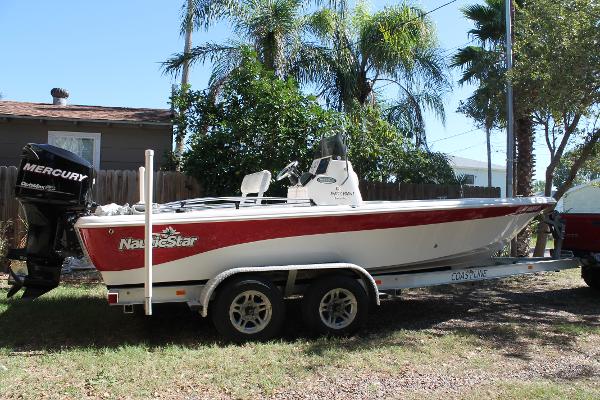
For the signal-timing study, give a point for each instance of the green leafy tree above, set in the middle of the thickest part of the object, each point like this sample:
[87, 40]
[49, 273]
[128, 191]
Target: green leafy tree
[360, 52]
[380, 153]
[262, 122]
[355, 53]
[259, 122]
[272, 28]
[560, 70]
[589, 170]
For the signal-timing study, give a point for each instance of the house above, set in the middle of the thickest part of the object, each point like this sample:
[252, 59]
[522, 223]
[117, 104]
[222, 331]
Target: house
[475, 172]
[108, 137]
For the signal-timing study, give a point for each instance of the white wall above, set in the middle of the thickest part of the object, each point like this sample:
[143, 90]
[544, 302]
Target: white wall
[498, 177]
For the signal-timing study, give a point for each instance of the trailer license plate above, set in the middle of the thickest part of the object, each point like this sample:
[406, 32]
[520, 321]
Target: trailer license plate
[474, 274]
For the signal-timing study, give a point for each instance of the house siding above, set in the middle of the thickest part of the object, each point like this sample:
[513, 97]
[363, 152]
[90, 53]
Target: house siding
[498, 177]
[121, 145]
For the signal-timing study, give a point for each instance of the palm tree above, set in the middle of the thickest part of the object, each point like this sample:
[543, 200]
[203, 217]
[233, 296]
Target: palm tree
[361, 52]
[271, 27]
[484, 64]
[350, 58]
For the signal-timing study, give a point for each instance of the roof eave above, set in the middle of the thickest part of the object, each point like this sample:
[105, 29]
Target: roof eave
[97, 121]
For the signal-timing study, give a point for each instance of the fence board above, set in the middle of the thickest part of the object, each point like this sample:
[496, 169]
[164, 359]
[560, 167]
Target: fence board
[419, 191]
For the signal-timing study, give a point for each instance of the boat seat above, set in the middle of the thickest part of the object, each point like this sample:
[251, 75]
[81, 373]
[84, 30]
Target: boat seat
[258, 183]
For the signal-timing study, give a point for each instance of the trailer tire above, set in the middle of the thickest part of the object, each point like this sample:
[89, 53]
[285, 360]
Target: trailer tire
[591, 276]
[335, 305]
[248, 308]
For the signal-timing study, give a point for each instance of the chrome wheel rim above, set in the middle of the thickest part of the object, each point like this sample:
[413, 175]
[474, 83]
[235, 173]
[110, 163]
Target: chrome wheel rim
[250, 312]
[338, 308]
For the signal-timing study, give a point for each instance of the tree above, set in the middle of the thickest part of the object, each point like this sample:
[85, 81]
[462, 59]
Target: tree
[360, 50]
[259, 122]
[355, 52]
[380, 153]
[562, 76]
[589, 170]
[262, 122]
[272, 28]
[485, 64]
[187, 29]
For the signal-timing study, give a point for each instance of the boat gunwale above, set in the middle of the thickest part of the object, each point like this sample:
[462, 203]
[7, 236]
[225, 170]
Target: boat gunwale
[257, 212]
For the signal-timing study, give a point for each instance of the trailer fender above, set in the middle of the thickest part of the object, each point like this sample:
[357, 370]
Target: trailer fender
[213, 283]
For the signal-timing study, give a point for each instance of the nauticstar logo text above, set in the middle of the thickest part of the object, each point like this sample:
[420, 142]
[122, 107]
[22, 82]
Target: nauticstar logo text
[167, 239]
[41, 169]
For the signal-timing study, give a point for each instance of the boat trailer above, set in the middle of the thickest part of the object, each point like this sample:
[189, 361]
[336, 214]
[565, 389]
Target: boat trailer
[336, 295]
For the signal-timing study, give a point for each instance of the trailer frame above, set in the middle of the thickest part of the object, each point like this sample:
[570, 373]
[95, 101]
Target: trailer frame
[198, 294]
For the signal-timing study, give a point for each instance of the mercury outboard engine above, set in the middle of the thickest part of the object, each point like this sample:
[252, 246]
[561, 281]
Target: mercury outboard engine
[54, 187]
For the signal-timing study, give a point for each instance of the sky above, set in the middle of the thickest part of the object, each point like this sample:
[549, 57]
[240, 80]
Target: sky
[109, 53]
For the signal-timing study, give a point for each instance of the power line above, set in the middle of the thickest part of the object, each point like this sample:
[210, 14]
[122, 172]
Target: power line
[442, 6]
[466, 148]
[421, 16]
[453, 136]
[450, 52]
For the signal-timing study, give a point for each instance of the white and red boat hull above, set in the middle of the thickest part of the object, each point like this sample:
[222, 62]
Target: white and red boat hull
[379, 236]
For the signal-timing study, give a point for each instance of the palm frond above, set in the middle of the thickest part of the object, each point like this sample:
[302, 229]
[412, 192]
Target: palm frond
[206, 12]
[488, 19]
[476, 63]
[407, 112]
[206, 52]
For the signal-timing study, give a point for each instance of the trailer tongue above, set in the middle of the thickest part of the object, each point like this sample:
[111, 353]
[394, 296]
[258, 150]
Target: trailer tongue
[54, 187]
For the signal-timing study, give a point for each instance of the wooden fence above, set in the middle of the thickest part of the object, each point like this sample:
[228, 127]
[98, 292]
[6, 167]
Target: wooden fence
[122, 187]
[419, 191]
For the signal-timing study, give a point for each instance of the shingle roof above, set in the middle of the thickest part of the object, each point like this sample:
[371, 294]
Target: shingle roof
[84, 113]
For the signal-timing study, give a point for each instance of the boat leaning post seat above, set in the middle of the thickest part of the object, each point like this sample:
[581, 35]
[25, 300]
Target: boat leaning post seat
[258, 183]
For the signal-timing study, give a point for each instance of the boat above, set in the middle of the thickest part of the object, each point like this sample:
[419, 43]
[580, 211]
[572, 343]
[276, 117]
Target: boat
[323, 219]
[580, 210]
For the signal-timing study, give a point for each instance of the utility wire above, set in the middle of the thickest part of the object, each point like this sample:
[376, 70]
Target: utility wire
[442, 6]
[466, 148]
[348, 45]
[453, 136]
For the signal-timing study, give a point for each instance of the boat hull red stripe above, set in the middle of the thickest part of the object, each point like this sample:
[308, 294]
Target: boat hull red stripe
[102, 244]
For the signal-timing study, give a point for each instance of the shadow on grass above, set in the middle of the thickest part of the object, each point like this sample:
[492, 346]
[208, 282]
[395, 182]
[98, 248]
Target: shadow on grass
[56, 323]
[515, 323]
[500, 317]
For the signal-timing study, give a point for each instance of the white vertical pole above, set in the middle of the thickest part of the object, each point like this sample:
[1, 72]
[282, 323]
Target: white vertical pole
[141, 179]
[510, 123]
[148, 186]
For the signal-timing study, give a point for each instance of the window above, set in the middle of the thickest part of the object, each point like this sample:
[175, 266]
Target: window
[468, 179]
[85, 144]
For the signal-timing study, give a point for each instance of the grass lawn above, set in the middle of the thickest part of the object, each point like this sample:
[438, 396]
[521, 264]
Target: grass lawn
[532, 337]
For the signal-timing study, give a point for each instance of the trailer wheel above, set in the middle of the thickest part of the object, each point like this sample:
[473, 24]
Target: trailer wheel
[336, 305]
[591, 276]
[248, 309]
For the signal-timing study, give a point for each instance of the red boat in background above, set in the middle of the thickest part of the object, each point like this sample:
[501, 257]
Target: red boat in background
[580, 211]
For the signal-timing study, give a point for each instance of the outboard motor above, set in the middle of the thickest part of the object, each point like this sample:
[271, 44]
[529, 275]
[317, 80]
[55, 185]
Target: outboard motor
[54, 187]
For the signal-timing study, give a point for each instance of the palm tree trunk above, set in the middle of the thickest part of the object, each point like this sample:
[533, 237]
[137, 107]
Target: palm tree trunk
[525, 166]
[185, 72]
